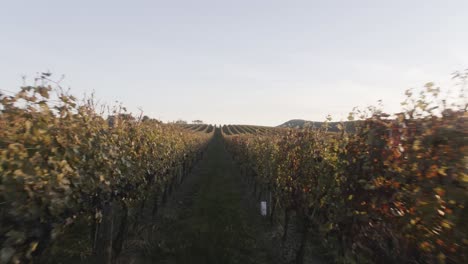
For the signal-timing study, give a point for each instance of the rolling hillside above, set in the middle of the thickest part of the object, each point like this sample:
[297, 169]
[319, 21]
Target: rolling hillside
[301, 123]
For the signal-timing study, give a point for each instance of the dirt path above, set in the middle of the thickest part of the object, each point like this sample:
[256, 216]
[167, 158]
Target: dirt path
[209, 219]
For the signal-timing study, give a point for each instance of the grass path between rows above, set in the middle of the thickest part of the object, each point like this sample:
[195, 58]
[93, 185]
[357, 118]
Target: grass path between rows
[210, 219]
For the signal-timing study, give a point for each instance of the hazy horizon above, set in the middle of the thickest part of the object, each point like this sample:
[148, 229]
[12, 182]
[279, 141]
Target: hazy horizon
[248, 62]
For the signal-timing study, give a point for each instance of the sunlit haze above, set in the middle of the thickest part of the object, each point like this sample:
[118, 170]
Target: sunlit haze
[236, 62]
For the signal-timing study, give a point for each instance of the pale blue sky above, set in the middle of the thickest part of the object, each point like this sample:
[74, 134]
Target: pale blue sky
[241, 62]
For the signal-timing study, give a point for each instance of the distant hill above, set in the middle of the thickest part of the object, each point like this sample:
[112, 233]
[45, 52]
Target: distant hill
[301, 123]
[297, 123]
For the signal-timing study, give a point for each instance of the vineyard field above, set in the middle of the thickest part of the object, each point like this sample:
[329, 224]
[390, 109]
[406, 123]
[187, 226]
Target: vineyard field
[234, 132]
[79, 186]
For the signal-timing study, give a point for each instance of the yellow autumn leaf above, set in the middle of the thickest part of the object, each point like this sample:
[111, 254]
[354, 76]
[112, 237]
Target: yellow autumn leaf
[446, 224]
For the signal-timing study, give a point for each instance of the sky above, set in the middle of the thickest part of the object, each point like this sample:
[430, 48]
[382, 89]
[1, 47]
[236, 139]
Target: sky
[236, 62]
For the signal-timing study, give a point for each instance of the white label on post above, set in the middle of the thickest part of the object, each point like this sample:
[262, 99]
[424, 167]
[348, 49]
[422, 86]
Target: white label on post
[263, 208]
